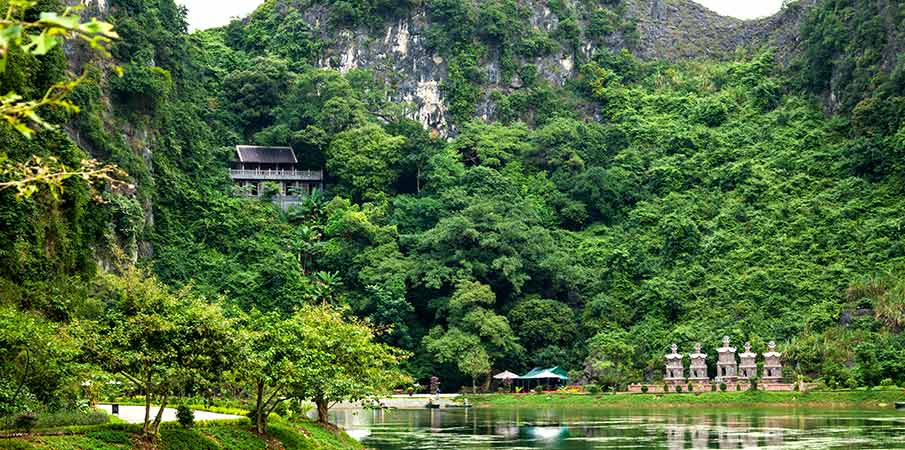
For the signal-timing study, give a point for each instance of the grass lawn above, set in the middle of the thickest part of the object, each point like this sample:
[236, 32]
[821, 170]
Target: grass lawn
[213, 435]
[876, 398]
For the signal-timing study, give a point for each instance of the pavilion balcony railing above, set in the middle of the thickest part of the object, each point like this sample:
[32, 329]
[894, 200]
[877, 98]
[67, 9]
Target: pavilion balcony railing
[276, 175]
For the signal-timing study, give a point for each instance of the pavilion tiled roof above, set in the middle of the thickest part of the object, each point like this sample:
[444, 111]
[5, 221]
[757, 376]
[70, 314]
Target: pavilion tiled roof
[265, 155]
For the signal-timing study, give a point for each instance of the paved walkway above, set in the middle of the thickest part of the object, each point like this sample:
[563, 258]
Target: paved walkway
[136, 414]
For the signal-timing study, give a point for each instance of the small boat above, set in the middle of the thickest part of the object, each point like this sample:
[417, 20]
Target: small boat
[900, 405]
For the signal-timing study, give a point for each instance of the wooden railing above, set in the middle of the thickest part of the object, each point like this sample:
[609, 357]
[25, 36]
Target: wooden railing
[276, 174]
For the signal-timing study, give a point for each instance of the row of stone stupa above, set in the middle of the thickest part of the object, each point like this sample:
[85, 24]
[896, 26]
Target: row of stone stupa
[726, 367]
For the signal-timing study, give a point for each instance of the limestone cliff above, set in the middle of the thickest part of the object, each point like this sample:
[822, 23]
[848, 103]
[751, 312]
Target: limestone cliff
[673, 30]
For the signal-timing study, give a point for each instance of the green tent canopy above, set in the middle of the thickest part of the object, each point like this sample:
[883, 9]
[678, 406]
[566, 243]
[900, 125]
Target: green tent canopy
[539, 373]
[547, 378]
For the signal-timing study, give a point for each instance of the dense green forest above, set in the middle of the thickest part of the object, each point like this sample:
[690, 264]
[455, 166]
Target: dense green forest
[587, 225]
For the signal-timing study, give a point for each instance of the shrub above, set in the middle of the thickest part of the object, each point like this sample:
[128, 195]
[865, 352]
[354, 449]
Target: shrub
[185, 439]
[592, 388]
[142, 89]
[288, 436]
[796, 388]
[887, 382]
[234, 438]
[111, 437]
[282, 409]
[723, 387]
[185, 416]
[851, 383]
[16, 444]
[539, 389]
[690, 387]
[738, 387]
[644, 389]
[712, 387]
[679, 388]
[26, 421]
[60, 419]
[604, 22]
[665, 388]
[710, 111]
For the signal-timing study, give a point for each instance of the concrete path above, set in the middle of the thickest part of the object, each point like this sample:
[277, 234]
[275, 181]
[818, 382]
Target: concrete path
[136, 414]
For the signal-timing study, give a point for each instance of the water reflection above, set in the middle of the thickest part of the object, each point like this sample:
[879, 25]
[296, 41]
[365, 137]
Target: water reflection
[547, 433]
[593, 429]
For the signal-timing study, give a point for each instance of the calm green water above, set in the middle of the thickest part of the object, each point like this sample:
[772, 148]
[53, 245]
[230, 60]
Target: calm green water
[578, 429]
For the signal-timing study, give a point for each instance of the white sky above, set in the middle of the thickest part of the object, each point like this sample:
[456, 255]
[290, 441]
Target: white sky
[212, 13]
[743, 9]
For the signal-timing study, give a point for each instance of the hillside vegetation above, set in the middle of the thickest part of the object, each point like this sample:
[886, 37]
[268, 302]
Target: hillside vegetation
[586, 225]
[210, 436]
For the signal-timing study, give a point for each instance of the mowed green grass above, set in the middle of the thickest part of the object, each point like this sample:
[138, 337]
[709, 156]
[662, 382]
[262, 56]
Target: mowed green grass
[876, 398]
[293, 436]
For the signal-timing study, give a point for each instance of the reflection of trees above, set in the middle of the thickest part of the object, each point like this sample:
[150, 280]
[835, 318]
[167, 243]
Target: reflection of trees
[547, 434]
[775, 430]
[675, 437]
[529, 428]
[729, 434]
[507, 431]
[699, 437]
[435, 420]
[715, 430]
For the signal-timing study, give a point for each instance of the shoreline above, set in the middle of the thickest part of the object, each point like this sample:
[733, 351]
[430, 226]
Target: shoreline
[861, 399]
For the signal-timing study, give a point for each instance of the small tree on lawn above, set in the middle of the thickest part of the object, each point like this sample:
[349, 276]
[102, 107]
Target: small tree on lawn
[475, 364]
[273, 349]
[159, 340]
[342, 360]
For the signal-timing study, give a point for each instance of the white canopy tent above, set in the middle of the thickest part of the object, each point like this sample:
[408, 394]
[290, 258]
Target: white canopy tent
[507, 375]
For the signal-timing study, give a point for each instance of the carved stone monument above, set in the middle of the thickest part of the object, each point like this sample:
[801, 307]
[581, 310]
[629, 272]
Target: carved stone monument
[698, 369]
[726, 367]
[772, 363]
[675, 371]
[435, 386]
[748, 366]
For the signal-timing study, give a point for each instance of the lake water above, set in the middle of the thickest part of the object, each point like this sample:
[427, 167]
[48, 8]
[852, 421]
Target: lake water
[581, 429]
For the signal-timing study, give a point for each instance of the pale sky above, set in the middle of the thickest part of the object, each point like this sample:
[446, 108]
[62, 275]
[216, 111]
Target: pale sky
[212, 13]
[743, 9]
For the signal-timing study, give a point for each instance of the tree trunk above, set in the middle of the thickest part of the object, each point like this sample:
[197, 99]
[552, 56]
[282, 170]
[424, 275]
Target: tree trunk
[260, 423]
[159, 417]
[474, 385]
[322, 409]
[24, 376]
[144, 429]
[418, 180]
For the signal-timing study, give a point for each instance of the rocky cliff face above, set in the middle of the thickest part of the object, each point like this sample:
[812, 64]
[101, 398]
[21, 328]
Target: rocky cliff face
[681, 29]
[666, 29]
[397, 54]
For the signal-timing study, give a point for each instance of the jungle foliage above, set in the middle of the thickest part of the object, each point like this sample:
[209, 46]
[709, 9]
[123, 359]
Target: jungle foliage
[587, 225]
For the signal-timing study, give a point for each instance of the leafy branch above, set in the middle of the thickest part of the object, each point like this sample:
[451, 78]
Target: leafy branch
[37, 38]
[38, 171]
[17, 112]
